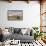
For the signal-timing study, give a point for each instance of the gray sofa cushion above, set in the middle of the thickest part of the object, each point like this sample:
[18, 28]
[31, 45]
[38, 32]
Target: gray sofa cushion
[20, 37]
[17, 30]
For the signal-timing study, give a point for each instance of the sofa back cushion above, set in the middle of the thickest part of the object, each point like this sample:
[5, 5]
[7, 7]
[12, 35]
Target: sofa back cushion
[11, 29]
[17, 30]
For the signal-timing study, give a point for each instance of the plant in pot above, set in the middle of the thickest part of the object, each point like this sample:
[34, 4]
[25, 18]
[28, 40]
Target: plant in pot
[37, 33]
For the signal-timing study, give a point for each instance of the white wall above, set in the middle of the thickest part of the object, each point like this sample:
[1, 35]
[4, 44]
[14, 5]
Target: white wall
[31, 14]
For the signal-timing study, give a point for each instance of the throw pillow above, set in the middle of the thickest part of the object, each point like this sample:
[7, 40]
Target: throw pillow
[11, 29]
[28, 31]
[23, 31]
[17, 30]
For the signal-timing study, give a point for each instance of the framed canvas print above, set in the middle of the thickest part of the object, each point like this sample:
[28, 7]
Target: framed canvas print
[15, 15]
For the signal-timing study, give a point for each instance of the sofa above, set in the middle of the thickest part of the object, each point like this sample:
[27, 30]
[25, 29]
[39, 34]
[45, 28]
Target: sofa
[22, 34]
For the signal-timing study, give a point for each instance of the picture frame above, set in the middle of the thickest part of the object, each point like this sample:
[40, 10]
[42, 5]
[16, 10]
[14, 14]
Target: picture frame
[15, 15]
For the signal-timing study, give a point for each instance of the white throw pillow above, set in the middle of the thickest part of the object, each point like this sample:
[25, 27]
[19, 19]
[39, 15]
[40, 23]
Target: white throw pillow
[23, 31]
[5, 32]
[28, 31]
